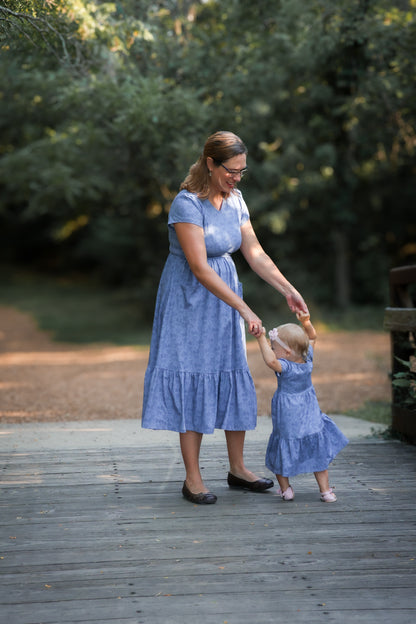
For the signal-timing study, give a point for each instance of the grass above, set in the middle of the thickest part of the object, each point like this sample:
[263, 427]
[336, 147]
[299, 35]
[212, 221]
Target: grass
[76, 311]
[354, 318]
[82, 311]
[373, 411]
[271, 307]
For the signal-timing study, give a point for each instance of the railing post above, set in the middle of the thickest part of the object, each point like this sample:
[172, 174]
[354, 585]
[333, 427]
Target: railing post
[400, 321]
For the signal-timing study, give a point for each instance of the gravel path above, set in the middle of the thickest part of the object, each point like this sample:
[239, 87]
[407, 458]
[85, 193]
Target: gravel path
[45, 381]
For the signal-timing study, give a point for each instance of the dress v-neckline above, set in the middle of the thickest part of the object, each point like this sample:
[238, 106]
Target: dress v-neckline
[215, 208]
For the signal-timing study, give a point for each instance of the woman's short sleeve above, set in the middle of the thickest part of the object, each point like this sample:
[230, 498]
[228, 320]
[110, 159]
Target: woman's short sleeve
[186, 208]
[244, 213]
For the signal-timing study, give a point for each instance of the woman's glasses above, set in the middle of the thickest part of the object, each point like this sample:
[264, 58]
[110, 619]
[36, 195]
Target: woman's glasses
[235, 172]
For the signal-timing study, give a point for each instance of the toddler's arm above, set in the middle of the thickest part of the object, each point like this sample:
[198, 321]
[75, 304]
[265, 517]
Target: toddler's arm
[267, 352]
[308, 327]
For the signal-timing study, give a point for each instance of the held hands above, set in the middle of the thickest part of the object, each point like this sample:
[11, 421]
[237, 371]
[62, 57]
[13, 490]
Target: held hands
[296, 303]
[261, 333]
[302, 317]
[254, 323]
[307, 326]
[256, 329]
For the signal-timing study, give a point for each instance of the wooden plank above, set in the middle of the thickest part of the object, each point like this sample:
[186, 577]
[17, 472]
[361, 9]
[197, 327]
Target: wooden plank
[107, 537]
[214, 585]
[245, 607]
[400, 319]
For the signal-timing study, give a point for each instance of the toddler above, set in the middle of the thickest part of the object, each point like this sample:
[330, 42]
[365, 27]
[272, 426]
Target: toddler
[303, 438]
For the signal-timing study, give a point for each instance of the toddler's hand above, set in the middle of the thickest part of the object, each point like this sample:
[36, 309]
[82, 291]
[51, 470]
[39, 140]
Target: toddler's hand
[302, 317]
[262, 332]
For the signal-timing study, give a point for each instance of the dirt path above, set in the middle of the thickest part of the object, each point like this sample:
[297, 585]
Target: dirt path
[41, 380]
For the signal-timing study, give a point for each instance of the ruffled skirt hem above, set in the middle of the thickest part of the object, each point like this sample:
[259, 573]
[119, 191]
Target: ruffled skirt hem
[184, 401]
[312, 453]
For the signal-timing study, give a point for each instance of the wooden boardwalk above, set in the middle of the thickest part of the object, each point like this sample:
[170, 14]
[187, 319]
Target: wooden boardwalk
[104, 536]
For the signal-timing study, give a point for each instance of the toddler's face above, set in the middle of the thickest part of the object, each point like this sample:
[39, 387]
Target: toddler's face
[278, 350]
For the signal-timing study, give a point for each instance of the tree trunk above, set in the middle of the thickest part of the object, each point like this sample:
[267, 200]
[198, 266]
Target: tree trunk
[342, 273]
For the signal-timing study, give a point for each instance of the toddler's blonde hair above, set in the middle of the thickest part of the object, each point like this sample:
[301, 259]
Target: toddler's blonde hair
[296, 338]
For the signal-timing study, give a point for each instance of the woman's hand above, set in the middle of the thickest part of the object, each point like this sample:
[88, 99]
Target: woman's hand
[254, 324]
[296, 303]
[255, 329]
[261, 333]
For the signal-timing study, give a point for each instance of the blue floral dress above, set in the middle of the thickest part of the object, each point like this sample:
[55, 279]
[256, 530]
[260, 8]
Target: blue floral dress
[303, 439]
[197, 377]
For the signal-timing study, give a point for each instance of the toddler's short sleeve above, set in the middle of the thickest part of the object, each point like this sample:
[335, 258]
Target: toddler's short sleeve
[285, 365]
[186, 208]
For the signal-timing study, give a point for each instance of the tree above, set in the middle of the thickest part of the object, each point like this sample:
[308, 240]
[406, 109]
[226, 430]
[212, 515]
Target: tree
[323, 94]
[89, 157]
[104, 107]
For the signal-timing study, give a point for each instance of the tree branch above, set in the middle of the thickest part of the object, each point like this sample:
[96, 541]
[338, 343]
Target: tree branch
[39, 24]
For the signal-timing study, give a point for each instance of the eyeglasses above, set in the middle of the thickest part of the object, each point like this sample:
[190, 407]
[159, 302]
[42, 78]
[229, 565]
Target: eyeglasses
[235, 172]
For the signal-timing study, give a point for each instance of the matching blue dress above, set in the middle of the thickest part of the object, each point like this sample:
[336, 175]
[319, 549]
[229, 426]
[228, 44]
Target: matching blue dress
[197, 377]
[303, 438]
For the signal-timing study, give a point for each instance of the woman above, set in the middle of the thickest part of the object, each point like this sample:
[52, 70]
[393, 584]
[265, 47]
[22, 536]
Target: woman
[197, 378]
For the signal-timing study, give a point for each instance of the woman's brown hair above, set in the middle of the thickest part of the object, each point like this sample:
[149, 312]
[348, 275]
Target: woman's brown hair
[220, 146]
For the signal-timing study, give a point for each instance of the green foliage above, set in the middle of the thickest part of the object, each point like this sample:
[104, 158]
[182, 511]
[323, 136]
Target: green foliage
[373, 411]
[405, 383]
[104, 106]
[75, 310]
[89, 163]
[25, 25]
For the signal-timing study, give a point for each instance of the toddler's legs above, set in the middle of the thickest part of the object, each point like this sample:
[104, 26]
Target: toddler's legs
[327, 495]
[283, 482]
[286, 491]
[322, 479]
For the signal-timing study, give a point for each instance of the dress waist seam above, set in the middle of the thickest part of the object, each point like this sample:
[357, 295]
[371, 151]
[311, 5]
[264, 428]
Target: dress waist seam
[178, 254]
[199, 373]
[283, 391]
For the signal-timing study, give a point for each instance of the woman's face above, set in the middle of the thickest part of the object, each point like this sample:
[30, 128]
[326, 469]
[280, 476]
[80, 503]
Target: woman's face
[222, 180]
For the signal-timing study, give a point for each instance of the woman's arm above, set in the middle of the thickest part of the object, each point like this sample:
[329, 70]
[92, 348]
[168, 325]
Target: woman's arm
[264, 266]
[267, 353]
[191, 239]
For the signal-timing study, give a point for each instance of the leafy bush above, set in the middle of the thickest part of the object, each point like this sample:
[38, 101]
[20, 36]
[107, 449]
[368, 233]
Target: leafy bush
[405, 382]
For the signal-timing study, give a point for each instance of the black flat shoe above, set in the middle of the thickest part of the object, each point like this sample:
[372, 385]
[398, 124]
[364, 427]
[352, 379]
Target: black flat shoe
[203, 498]
[255, 486]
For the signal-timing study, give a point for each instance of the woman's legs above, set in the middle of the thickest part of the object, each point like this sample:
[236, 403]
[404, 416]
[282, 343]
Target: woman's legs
[190, 446]
[190, 442]
[235, 446]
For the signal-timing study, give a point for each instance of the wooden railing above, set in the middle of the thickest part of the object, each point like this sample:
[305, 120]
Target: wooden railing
[400, 321]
